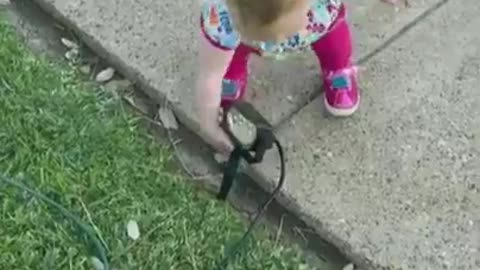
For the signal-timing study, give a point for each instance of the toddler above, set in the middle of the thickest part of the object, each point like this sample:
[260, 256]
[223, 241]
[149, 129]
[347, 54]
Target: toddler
[231, 30]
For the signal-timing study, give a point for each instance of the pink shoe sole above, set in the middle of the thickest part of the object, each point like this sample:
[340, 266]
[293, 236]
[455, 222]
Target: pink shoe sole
[340, 112]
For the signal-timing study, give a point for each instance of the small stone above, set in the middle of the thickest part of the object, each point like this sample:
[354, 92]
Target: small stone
[105, 75]
[69, 44]
[85, 69]
[441, 143]
[97, 264]
[71, 54]
[349, 267]
[329, 154]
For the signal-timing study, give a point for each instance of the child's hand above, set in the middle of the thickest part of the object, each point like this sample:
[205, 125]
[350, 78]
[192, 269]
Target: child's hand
[213, 63]
[213, 133]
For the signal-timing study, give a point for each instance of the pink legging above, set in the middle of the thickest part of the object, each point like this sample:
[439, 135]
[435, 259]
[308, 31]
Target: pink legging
[334, 51]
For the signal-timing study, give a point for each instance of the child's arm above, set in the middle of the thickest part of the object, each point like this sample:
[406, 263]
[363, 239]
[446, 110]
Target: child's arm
[212, 65]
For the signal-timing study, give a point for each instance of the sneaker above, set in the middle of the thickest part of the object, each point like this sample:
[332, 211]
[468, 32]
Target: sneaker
[342, 95]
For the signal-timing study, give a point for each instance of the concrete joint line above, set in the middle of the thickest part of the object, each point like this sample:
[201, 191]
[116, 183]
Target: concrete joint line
[401, 32]
[364, 59]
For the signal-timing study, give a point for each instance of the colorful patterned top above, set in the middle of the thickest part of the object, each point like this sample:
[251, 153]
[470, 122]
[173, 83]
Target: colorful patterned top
[218, 27]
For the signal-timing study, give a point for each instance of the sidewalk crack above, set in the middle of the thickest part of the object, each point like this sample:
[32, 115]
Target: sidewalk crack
[364, 59]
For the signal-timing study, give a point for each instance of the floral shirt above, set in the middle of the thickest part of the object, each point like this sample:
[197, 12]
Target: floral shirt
[219, 29]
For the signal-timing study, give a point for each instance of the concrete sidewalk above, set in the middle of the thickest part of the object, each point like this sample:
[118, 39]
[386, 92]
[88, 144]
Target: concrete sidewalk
[398, 185]
[403, 191]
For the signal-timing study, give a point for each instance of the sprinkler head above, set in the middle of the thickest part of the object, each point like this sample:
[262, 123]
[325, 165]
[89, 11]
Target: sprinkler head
[240, 129]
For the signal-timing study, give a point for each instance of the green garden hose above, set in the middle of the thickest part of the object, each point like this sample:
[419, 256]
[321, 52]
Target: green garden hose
[100, 249]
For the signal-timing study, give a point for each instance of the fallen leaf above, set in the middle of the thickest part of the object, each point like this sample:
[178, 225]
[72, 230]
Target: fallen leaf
[97, 264]
[69, 44]
[105, 75]
[167, 118]
[132, 230]
[85, 69]
[349, 267]
[130, 100]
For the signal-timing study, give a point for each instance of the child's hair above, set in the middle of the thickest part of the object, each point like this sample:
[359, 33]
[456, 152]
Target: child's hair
[262, 12]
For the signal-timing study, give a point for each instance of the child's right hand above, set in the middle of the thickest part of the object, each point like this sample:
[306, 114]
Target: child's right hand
[210, 127]
[212, 65]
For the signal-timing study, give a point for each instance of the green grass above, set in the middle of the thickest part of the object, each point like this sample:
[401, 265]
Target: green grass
[76, 144]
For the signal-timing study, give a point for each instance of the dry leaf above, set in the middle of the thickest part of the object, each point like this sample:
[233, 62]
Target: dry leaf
[130, 100]
[167, 118]
[97, 264]
[132, 230]
[105, 75]
[349, 267]
[69, 44]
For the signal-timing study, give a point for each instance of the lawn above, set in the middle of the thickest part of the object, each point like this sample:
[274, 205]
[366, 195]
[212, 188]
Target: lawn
[63, 136]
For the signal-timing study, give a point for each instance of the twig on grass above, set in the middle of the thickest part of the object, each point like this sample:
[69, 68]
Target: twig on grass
[95, 228]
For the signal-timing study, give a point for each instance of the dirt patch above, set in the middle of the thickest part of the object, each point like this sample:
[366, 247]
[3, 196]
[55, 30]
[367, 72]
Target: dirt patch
[40, 33]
